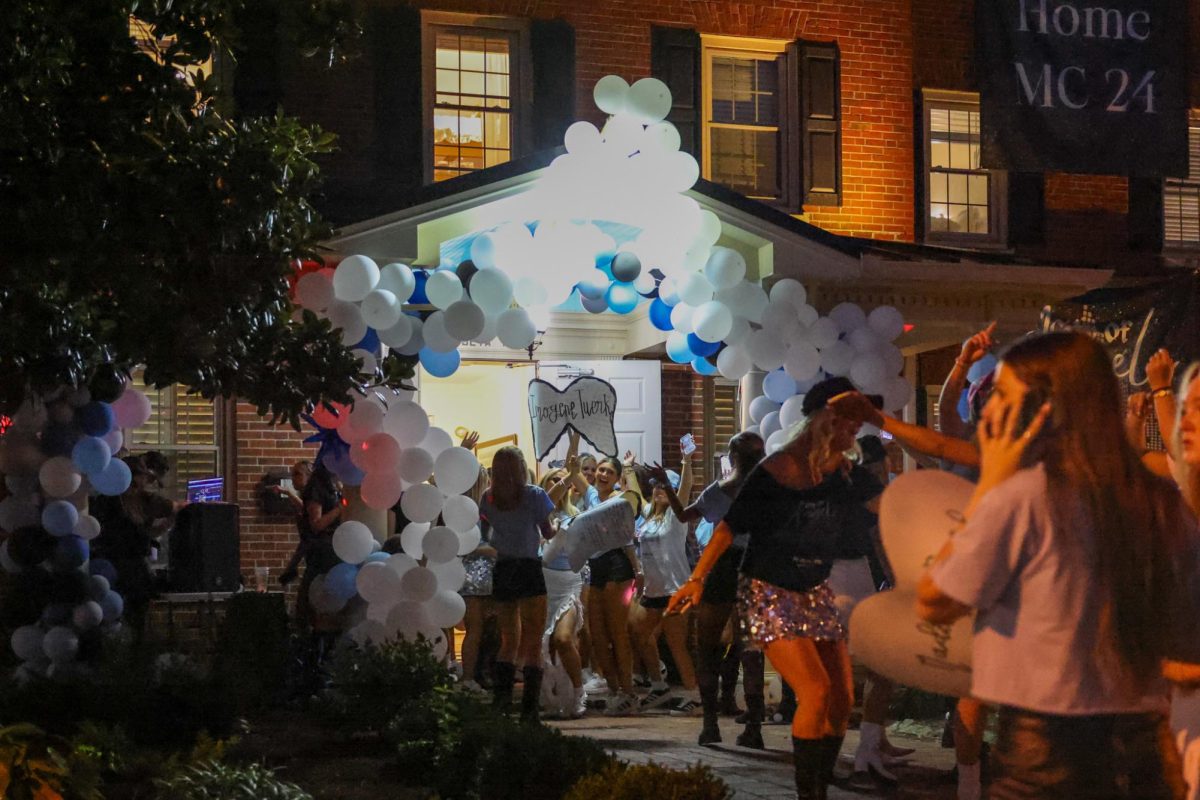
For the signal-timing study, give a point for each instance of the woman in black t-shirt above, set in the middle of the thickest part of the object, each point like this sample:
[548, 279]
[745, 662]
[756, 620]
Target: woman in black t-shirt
[323, 512]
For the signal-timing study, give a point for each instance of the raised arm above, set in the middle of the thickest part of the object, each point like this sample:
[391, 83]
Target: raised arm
[856, 406]
[574, 475]
[973, 350]
[1160, 375]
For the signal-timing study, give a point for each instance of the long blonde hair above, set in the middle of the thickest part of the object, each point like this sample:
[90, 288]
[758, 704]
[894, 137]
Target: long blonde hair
[1187, 476]
[820, 431]
[564, 503]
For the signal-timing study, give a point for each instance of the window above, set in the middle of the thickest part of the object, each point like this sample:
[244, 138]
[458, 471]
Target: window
[1181, 201]
[472, 74]
[746, 125]
[963, 201]
[183, 427]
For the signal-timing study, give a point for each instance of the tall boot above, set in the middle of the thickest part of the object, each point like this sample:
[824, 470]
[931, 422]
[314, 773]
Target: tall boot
[504, 675]
[708, 681]
[730, 662]
[531, 693]
[831, 748]
[752, 685]
[807, 755]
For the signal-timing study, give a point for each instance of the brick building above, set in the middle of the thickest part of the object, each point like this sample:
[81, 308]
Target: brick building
[856, 118]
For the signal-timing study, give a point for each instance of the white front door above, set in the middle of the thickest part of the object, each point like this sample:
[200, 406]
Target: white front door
[638, 421]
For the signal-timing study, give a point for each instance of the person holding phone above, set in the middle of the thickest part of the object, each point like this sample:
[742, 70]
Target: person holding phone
[1081, 567]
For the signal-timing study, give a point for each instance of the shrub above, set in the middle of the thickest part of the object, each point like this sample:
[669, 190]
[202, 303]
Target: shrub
[371, 684]
[215, 781]
[650, 782]
[37, 766]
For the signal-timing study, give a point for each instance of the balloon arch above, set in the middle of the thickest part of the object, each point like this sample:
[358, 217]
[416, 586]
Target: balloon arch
[610, 228]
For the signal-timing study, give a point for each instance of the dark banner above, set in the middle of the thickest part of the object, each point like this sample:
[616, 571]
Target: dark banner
[1084, 86]
[1134, 323]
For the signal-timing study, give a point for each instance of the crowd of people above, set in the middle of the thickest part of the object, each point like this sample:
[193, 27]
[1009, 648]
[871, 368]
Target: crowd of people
[1079, 557]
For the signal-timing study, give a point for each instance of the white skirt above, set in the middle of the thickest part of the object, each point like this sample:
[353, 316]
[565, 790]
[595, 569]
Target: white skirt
[563, 591]
[851, 583]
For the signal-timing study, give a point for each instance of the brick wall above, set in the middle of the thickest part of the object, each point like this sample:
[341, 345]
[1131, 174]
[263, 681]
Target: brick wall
[683, 412]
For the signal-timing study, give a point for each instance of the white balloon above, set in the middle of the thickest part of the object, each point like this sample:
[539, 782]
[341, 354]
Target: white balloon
[87, 527]
[864, 340]
[802, 361]
[769, 425]
[381, 489]
[401, 563]
[807, 315]
[483, 251]
[712, 321]
[767, 349]
[314, 291]
[443, 288]
[898, 393]
[436, 441]
[681, 318]
[437, 338]
[379, 452]
[611, 94]
[366, 362]
[440, 544]
[622, 136]
[406, 617]
[415, 465]
[418, 584]
[867, 372]
[87, 615]
[398, 279]
[681, 173]
[746, 299]
[489, 329]
[893, 359]
[354, 277]
[789, 290]
[725, 268]
[363, 420]
[352, 541]
[377, 584]
[399, 334]
[412, 536]
[776, 441]
[422, 502]
[460, 513]
[649, 100]
[582, 138]
[516, 329]
[369, 631]
[468, 541]
[446, 609]
[529, 291]
[823, 333]
[760, 407]
[26, 642]
[734, 363]
[380, 309]
[60, 644]
[406, 422]
[836, 358]
[491, 290]
[848, 316]
[451, 575]
[695, 290]
[456, 470]
[886, 322]
[58, 477]
[792, 413]
[668, 291]
[739, 330]
[347, 317]
[661, 137]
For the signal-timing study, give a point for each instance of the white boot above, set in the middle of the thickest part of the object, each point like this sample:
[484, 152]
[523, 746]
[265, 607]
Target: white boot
[868, 757]
[970, 786]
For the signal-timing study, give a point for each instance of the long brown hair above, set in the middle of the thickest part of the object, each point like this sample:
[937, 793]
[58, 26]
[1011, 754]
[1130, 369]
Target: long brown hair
[1186, 475]
[509, 476]
[1138, 542]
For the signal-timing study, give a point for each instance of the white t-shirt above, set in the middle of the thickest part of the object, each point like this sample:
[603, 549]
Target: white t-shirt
[663, 553]
[1037, 644]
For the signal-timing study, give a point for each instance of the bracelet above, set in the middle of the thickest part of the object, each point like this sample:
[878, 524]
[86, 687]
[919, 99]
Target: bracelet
[1156, 393]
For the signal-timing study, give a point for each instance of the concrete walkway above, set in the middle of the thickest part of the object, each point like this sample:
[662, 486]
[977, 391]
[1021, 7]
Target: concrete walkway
[754, 774]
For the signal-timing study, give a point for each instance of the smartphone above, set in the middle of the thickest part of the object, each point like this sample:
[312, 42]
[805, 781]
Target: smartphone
[687, 444]
[1031, 404]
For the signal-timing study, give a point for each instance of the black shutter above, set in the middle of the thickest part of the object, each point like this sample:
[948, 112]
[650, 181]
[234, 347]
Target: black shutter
[1145, 218]
[675, 60]
[820, 123]
[257, 80]
[552, 46]
[1026, 208]
[394, 45]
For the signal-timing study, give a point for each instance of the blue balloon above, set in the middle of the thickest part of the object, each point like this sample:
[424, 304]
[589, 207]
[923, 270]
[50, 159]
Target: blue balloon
[379, 556]
[369, 342]
[439, 365]
[594, 306]
[701, 347]
[964, 407]
[982, 367]
[678, 350]
[59, 517]
[418, 296]
[96, 418]
[70, 553]
[104, 568]
[778, 386]
[592, 290]
[113, 606]
[704, 366]
[91, 454]
[339, 581]
[622, 298]
[338, 462]
[114, 479]
[660, 315]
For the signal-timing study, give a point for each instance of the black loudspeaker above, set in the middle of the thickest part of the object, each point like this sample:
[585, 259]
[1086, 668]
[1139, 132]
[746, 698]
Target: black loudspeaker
[205, 549]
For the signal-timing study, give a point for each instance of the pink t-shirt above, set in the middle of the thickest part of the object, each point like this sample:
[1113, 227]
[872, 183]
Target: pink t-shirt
[1037, 643]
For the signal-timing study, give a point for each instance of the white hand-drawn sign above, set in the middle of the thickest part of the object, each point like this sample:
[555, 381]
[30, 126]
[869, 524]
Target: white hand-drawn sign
[586, 406]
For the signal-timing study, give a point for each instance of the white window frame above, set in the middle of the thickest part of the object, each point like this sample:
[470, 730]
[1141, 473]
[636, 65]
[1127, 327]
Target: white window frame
[520, 78]
[997, 236]
[787, 125]
[1178, 186]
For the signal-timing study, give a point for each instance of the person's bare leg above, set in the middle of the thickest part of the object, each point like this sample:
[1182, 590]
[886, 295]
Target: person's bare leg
[602, 652]
[616, 615]
[970, 719]
[675, 629]
[566, 646]
[472, 634]
[643, 626]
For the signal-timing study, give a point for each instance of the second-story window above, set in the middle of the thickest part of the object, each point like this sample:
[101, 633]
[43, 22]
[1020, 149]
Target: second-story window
[962, 198]
[1181, 201]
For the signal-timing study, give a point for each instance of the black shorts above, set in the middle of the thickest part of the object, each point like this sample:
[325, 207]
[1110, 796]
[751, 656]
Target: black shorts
[655, 602]
[517, 579]
[720, 587]
[611, 566]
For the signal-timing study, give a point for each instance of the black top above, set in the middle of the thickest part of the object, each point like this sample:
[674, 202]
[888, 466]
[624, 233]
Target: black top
[795, 534]
[318, 553]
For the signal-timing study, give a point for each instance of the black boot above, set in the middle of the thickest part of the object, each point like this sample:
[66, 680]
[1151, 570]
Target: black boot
[751, 736]
[728, 669]
[531, 694]
[807, 758]
[504, 675]
[831, 748]
[707, 681]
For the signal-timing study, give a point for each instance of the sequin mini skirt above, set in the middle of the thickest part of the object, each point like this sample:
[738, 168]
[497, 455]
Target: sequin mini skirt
[769, 613]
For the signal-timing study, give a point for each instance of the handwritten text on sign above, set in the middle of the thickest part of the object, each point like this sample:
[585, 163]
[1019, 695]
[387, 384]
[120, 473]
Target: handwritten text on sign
[586, 406]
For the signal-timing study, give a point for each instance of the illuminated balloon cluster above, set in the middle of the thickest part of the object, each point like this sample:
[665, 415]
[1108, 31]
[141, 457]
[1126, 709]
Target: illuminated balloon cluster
[58, 449]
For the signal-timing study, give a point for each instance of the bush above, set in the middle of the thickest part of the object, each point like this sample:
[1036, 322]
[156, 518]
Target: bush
[252, 649]
[650, 782]
[371, 684]
[215, 781]
[464, 750]
[38, 766]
